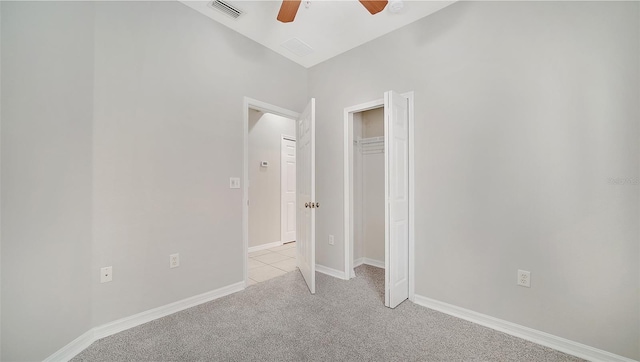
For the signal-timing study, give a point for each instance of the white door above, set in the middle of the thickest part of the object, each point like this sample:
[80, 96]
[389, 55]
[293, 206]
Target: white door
[396, 127]
[288, 190]
[305, 195]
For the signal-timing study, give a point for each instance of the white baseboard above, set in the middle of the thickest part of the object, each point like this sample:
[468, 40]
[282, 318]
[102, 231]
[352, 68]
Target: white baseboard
[535, 336]
[265, 246]
[330, 271]
[373, 262]
[368, 261]
[152, 314]
[74, 347]
[79, 344]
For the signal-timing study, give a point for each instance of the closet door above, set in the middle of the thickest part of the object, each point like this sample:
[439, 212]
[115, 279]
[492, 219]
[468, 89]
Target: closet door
[396, 126]
[305, 195]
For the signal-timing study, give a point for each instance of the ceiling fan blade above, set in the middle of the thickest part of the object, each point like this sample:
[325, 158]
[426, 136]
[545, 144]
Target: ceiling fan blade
[288, 10]
[374, 6]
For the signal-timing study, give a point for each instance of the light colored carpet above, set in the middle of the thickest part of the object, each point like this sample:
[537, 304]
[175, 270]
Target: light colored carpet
[278, 320]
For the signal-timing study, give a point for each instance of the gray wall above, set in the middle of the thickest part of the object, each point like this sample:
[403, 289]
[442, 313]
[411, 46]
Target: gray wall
[524, 111]
[168, 135]
[265, 141]
[373, 121]
[121, 125]
[47, 93]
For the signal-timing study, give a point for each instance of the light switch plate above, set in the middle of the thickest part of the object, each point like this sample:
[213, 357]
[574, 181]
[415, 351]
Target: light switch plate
[106, 274]
[234, 182]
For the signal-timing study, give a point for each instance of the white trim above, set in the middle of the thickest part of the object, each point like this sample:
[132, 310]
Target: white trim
[72, 349]
[358, 262]
[368, 261]
[387, 204]
[330, 271]
[79, 344]
[373, 262]
[529, 334]
[348, 186]
[365, 106]
[412, 224]
[348, 179]
[346, 192]
[152, 314]
[265, 246]
[263, 107]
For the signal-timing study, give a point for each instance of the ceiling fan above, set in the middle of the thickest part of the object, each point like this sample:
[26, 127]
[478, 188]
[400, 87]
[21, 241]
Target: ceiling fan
[289, 8]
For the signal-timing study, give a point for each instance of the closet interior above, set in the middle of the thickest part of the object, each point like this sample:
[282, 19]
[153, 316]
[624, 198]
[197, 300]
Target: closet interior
[368, 188]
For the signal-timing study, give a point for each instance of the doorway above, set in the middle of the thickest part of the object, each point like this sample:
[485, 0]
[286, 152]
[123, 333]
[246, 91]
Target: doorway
[368, 188]
[366, 143]
[269, 192]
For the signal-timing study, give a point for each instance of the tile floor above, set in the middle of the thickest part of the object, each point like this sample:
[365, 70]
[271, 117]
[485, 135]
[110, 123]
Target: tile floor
[270, 263]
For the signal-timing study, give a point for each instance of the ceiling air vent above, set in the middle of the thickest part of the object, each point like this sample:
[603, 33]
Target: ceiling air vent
[226, 8]
[297, 47]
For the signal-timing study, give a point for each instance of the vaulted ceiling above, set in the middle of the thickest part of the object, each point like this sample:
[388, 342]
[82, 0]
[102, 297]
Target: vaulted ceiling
[328, 28]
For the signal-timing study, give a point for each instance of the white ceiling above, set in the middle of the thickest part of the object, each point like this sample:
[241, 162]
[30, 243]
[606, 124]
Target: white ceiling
[329, 27]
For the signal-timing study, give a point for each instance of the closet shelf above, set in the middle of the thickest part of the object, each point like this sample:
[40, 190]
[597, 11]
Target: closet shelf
[370, 145]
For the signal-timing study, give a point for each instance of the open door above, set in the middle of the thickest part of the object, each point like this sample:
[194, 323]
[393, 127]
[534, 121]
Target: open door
[287, 190]
[306, 194]
[396, 133]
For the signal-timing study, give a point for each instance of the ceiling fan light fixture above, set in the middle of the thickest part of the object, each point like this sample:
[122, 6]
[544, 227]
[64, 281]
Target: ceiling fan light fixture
[395, 6]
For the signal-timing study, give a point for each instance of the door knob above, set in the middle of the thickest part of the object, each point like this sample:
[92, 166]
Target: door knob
[306, 204]
[317, 204]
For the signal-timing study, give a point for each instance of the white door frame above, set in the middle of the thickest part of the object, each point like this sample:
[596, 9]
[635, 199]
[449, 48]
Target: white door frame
[348, 186]
[283, 138]
[247, 104]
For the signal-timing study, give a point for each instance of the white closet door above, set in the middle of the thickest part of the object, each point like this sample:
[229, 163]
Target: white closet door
[396, 124]
[305, 195]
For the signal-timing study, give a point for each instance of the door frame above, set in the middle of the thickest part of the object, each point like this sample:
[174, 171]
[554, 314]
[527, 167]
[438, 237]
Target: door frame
[250, 103]
[283, 137]
[348, 186]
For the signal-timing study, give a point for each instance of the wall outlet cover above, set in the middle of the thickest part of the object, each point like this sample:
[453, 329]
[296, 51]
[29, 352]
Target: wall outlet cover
[332, 240]
[524, 278]
[234, 182]
[174, 260]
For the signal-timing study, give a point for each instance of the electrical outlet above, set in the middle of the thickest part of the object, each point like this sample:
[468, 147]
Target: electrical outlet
[174, 260]
[234, 182]
[332, 240]
[106, 274]
[524, 278]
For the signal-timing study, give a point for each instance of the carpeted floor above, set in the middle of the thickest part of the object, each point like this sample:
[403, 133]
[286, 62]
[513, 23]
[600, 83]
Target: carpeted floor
[278, 320]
